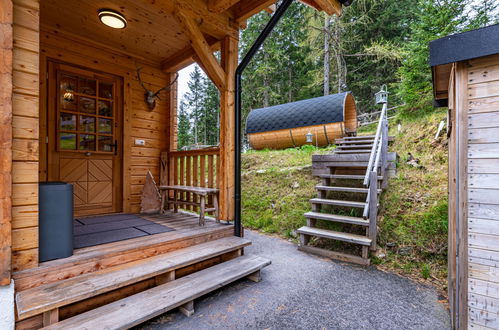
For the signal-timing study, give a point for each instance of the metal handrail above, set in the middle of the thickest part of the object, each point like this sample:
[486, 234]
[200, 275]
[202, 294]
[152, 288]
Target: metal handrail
[375, 147]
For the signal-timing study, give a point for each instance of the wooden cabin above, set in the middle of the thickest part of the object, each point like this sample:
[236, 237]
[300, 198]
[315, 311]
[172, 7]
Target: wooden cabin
[282, 126]
[466, 79]
[74, 109]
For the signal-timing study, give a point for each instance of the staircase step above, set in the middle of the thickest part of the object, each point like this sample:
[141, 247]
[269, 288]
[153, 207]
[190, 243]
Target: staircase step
[336, 235]
[337, 218]
[367, 151]
[334, 255]
[336, 202]
[345, 176]
[342, 141]
[50, 296]
[347, 164]
[345, 189]
[356, 146]
[135, 309]
[361, 137]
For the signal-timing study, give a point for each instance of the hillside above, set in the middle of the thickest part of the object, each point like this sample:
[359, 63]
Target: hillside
[413, 225]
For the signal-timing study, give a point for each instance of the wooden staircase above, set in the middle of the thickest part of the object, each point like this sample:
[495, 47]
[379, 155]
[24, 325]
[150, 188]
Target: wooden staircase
[347, 198]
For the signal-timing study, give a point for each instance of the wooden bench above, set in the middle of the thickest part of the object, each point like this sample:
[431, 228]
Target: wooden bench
[48, 298]
[135, 309]
[203, 194]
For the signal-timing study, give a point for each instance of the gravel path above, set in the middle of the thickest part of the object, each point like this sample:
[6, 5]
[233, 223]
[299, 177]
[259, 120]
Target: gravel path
[301, 291]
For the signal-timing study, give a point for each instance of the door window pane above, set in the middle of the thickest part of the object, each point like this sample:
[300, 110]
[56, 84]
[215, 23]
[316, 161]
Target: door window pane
[67, 141]
[86, 142]
[105, 90]
[105, 126]
[106, 143]
[67, 121]
[87, 86]
[67, 87]
[87, 124]
[86, 104]
[105, 108]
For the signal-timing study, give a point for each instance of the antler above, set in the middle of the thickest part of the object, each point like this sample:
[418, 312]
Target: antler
[166, 87]
[140, 80]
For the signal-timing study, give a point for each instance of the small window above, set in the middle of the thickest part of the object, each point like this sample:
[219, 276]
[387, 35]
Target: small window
[85, 114]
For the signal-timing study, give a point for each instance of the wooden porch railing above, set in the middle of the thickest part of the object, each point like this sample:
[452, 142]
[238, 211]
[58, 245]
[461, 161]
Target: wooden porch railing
[198, 168]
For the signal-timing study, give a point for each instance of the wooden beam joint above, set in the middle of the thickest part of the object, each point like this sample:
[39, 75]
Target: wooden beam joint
[207, 60]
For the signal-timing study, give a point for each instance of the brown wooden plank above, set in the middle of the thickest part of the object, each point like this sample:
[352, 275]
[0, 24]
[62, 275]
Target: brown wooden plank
[47, 297]
[6, 62]
[136, 309]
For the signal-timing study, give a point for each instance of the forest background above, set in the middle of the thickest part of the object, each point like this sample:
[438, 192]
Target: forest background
[310, 54]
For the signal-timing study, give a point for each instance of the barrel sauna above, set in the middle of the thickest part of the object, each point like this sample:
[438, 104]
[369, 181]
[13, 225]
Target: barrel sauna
[287, 125]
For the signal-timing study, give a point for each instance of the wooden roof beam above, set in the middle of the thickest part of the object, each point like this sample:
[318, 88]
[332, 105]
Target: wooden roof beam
[186, 56]
[331, 7]
[245, 9]
[217, 25]
[218, 6]
[203, 51]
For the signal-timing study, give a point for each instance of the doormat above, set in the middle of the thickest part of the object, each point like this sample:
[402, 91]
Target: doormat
[112, 228]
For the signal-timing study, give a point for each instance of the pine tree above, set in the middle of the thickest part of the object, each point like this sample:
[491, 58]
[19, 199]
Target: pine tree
[184, 127]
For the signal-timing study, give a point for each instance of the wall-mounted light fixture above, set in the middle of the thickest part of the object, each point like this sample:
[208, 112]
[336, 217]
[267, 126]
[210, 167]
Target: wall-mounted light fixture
[112, 18]
[309, 137]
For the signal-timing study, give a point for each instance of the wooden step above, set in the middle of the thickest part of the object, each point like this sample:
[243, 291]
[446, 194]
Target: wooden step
[341, 141]
[347, 164]
[345, 176]
[334, 255]
[140, 307]
[54, 295]
[337, 218]
[361, 137]
[336, 235]
[336, 202]
[352, 151]
[345, 189]
[355, 146]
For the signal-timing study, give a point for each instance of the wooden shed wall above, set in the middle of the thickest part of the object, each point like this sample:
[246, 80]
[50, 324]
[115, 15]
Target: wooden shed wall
[25, 128]
[289, 138]
[483, 191]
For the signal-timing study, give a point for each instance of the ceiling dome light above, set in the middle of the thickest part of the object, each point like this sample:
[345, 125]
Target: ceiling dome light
[112, 18]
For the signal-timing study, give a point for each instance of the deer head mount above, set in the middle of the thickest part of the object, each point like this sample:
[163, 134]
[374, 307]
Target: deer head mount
[150, 96]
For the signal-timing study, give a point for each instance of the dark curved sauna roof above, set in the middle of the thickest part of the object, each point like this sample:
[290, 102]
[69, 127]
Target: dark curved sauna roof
[316, 111]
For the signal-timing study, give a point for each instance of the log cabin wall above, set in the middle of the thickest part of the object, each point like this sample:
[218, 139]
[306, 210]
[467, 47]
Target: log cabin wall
[138, 121]
[30, 63]
[25, 128]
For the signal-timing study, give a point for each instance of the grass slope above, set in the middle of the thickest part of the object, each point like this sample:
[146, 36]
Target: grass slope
[413, 224]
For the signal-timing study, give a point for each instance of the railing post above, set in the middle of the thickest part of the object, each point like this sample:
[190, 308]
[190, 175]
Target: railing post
[373, 208]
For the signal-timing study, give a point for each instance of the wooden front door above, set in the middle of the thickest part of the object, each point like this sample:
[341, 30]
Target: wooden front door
[84, 136]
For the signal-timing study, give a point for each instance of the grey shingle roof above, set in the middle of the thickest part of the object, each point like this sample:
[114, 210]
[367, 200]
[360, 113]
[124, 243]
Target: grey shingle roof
[316, 111]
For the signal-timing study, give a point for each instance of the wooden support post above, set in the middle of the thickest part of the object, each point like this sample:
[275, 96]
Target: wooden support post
[373, 208]
[255, 277]
[50, 317]
[215, 205]
[304, 239]
[6, 42]
[227, 123]
[165, 278]
[384, 153]
[187, 309]
[201, 210]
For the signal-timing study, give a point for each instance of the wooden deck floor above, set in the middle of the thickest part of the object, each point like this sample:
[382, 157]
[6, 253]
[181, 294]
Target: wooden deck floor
[89, 259]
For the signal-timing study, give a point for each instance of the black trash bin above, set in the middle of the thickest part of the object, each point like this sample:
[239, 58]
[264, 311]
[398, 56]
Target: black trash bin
[56, 220]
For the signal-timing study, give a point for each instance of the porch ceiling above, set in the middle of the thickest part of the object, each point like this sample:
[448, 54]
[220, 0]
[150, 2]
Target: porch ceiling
[153, 32]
